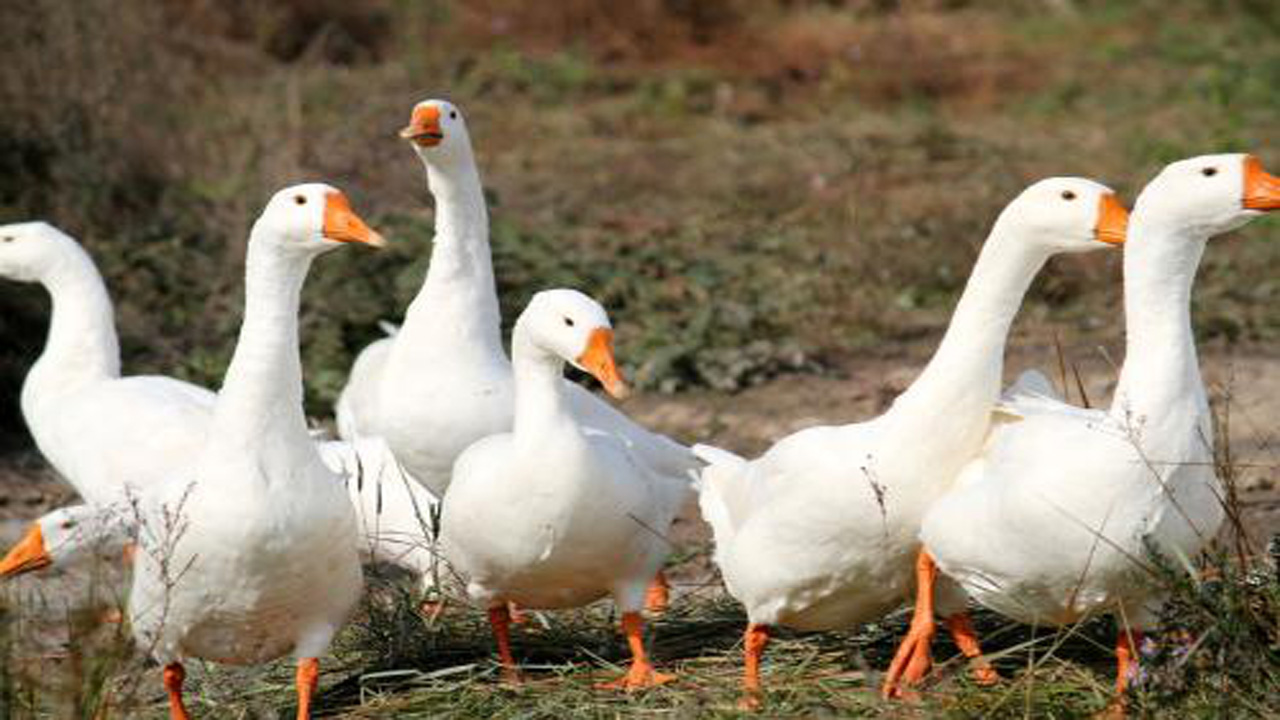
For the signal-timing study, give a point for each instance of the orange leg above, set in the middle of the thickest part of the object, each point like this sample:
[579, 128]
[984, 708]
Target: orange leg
[1126, 667]
[173, 677]
[753, 643]
[641, 674]
[658, 596]
[912, 661]
[129, 552]
[966, 639]
[500, 621]
[306, 680]
[1126, 658]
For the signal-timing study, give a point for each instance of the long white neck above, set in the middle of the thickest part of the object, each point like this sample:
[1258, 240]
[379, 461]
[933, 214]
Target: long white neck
[962, 380]
[460, 278]
[82, 344]
[261, 396]
[1161, 372]
[540, 403]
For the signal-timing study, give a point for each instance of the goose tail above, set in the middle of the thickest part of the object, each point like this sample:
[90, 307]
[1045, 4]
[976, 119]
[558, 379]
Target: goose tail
[713, 456]
[345, 417]
[721, 490]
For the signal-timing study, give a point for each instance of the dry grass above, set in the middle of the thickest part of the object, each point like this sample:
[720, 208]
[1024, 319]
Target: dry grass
[1217, 654]
[449, 671]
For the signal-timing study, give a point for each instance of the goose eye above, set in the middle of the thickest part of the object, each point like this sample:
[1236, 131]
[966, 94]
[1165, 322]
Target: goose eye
[568, 321]
[8, 238]
[68, 524]
[453, 114]
[1209, 171]
[1068, 195]
[300, 199]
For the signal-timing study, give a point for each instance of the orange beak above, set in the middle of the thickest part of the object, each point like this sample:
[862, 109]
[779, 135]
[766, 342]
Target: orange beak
[1113, 221]
[28, 555]
[1261, 189]
[598, 360]
[424, 127]
[343, 225]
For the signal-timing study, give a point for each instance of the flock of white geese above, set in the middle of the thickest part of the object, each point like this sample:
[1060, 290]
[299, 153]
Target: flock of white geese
[248, 529]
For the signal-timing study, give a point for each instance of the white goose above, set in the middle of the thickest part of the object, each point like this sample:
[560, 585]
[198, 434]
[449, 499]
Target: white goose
[1053, 521]
[100, 431]
[554, 513]
[820, 532]
[241, 559]
[443, 380]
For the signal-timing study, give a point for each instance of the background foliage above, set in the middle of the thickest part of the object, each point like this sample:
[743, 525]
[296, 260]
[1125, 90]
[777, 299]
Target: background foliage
[751, 187]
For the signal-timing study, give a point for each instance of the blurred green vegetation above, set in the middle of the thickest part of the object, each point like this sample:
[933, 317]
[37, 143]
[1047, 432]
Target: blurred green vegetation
[750, 187]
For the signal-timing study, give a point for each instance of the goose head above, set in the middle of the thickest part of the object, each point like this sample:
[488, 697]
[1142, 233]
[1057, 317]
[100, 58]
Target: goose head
[438, 132]
[312, 218]
[1067, 215]
[1211, 194]
[30, 250]
[60, 536]
[573, 327]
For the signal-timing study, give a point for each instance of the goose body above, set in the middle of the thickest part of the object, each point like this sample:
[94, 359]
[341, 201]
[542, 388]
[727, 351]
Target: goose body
[556, 514]
[266, 576]
[589, 529]
[251, 554]
[810, 538]
[1056, 518]
[353, 412]
[821, 531]
[102, 432]
[396, 518]
[444, 381]
[1099, 531]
